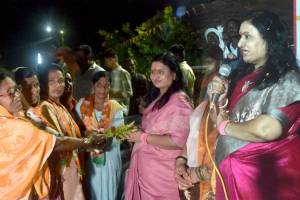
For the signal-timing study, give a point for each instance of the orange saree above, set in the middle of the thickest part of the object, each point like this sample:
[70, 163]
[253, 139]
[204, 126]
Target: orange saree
[196, 144]
[24, 150]
[66, 169]
[207, 188]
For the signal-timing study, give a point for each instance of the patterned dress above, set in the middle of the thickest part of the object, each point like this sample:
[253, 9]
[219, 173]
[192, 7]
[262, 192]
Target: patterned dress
[66, 170]
[103, 179]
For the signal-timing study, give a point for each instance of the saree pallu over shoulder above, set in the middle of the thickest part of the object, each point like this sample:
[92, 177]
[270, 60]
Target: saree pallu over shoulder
[256, 102]
[151, 172]
[65, 166]
[24, 150]
[88, 116]
[58, 117]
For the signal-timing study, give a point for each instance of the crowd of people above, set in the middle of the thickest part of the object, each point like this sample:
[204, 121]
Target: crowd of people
[242, 145]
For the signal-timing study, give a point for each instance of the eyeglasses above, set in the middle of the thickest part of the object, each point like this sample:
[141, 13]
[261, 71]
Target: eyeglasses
[12, 91]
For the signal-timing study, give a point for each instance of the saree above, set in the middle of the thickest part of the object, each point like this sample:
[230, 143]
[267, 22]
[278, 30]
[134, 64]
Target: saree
[24, 150]
[103, 179]
[152, 169]
[265, 170]
[65, 166]
[197, 153]
[206, 188]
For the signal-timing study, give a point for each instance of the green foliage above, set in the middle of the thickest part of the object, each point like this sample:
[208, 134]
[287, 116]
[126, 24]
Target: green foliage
[148, 39]
[119, 132]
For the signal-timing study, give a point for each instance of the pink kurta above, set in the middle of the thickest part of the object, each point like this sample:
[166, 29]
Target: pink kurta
[151, 171]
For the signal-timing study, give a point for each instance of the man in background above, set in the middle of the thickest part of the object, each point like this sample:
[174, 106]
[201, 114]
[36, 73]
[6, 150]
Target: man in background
[84, 72]
[139, 86]
[187, 72]
[121, 88]
[27, 79]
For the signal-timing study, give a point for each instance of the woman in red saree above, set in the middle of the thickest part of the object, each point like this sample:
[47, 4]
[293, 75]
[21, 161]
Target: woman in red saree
[259, 146]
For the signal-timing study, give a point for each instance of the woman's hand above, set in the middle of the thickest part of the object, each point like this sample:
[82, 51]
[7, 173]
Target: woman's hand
[198, 174]
[218, 86]
[231, 56]
[134, 136]
[181, 175]
[193, 174]
[222, 116]
[97, 141]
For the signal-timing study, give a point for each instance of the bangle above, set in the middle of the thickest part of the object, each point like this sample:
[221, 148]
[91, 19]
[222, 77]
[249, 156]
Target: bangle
[143, 138]
[182, 157]
[222, 126]
[198, 173]
[225, 105]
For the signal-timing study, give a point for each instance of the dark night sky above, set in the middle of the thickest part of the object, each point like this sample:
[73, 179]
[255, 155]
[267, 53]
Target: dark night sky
[23, 22]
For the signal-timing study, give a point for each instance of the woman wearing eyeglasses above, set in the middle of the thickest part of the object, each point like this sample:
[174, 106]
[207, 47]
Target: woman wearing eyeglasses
[24, 148]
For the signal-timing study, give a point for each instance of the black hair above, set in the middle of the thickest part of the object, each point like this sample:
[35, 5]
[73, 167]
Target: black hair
[43, 74]
[23, 72]
[110, 54]
[4, 73]
[168, 59]
[86, 49]
[281, 58]
[178, 50]
[127, 60]
[100, 74]
[213, 51]
[237, 22]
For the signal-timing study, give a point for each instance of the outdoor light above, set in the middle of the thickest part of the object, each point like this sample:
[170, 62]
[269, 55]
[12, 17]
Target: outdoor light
[180, 11]
[39, 59]
[48, 29]
[61, 32]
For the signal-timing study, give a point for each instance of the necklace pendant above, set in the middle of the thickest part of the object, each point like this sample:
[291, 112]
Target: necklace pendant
[246, 86]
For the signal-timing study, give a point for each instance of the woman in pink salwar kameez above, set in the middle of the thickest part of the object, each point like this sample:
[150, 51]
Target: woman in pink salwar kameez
[259, 146]
[163, 133]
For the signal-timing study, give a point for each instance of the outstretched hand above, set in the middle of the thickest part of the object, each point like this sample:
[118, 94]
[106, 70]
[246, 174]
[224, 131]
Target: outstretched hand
[98, 141]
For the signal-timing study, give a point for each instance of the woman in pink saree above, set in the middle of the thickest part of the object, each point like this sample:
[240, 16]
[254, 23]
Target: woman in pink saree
[259, 146]
[163, 133]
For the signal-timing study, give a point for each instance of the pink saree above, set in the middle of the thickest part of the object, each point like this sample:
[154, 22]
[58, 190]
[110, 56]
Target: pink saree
[151, 172]
[269, 170]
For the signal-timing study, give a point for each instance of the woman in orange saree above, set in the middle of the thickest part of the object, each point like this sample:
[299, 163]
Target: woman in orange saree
[195, 155]
[66, 174]
[22, 156]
